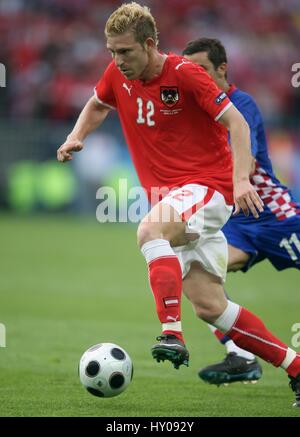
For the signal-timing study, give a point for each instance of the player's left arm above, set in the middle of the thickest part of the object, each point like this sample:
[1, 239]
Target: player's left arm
[251, 118]
[253, 135]
[245, 195]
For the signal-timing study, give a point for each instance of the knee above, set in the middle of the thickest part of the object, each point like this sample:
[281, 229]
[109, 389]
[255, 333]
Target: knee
[147, 232]
[209, 311]
[235, 267]
[237, 259]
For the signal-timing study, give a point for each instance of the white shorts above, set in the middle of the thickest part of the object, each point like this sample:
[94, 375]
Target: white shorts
[205, 212]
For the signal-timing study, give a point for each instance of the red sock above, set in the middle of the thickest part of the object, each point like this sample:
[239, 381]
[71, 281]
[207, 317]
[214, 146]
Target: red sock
[166, 283]
[249, 333]
[177, 334]
[294, 368]
[220, 336]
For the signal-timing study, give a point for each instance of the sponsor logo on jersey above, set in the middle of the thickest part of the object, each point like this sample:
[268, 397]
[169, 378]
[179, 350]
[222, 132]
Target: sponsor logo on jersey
[127, 88]
[181, 63]
[169, 95]
[220, 98]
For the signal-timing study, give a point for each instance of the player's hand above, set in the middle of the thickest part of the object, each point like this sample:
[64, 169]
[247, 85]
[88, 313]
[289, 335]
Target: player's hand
[247, 199]
[64, 153]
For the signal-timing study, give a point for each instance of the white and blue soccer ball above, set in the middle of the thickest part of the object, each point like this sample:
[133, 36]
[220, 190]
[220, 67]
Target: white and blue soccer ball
[105, 370]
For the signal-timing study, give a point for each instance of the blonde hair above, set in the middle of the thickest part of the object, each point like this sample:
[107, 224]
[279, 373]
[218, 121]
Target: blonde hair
[132, 17]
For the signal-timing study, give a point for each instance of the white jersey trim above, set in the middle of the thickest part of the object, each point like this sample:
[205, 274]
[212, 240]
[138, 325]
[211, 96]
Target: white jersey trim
[182, 63]
[101, 102]
[223, 111]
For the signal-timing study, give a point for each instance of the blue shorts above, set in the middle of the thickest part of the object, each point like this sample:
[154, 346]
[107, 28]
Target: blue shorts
[277, 241]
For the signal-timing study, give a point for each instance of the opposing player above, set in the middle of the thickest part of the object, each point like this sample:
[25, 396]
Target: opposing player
[175, 121]
[274, 236]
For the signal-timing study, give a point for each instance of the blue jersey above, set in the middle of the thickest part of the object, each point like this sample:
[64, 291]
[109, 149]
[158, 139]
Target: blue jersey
[275, 235]
[277, 199]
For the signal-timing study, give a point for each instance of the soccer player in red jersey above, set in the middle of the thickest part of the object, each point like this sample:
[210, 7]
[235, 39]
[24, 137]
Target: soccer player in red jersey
[175, 121]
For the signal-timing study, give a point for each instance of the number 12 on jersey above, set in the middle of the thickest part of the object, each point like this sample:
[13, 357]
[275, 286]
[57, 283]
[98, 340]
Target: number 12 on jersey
[149, 112]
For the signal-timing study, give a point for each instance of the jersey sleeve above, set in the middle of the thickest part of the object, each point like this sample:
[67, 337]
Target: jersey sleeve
[103, 91]
[197, 81]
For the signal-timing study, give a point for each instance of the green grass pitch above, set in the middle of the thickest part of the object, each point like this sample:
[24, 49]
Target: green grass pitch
[68, 283]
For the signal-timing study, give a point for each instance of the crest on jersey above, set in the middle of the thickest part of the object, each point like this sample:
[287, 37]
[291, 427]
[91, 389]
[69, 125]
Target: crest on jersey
[169, 95]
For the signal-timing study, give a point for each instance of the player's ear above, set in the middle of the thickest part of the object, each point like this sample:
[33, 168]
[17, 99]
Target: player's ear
[222, 69]
[150, 43]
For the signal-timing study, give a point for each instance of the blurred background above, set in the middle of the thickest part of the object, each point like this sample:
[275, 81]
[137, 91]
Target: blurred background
[54, 53]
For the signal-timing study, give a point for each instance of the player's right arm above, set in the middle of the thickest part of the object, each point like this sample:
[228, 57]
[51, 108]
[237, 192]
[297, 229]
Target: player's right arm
[245, 195]
[91, 117]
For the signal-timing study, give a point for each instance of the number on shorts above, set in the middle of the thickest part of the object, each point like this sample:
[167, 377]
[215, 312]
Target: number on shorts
[287, 244]
[179, 196]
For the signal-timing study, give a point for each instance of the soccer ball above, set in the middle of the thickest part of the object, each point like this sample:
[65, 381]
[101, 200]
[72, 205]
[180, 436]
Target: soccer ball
[105, 370]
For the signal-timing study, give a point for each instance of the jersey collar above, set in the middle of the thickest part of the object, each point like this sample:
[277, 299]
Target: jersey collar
[232, 88]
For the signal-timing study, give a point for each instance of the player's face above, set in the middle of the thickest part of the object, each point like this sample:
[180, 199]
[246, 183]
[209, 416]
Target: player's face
[130, 56]
[201, 58]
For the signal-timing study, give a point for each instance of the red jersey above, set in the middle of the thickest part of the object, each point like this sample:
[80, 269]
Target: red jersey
[170, 125]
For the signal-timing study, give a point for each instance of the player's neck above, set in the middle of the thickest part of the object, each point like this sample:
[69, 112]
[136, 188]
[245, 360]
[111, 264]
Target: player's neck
[154, 67]
[223, 85]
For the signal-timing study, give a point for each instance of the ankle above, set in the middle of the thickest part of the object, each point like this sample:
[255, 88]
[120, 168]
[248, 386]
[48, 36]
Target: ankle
[293, 369]
[177, 334]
